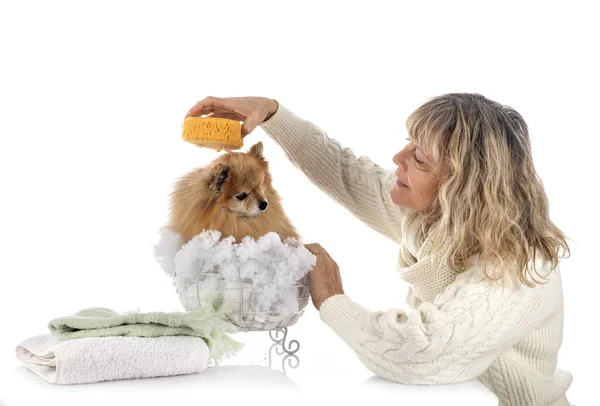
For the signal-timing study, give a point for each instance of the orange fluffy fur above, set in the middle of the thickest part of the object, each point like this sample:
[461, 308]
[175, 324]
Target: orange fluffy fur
[208, 199]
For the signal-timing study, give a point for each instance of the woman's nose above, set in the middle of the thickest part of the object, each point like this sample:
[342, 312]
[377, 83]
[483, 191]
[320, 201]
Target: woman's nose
[400, 160]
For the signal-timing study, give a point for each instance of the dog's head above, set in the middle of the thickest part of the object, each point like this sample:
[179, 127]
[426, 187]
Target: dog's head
[240, 182]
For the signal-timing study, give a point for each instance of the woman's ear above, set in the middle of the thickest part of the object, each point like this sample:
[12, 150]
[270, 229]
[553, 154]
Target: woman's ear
[257, 150]
[218, 176]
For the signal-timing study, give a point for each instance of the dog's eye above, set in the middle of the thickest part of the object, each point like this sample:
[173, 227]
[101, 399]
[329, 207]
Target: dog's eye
[241, 196]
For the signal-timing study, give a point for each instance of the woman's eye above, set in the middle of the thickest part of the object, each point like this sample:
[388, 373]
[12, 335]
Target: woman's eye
[417, 160]
[241, 196]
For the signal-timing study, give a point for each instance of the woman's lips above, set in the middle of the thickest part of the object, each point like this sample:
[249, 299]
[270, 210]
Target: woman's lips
[400, 184]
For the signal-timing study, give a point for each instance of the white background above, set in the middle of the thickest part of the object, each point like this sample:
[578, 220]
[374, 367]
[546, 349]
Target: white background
[92, 98]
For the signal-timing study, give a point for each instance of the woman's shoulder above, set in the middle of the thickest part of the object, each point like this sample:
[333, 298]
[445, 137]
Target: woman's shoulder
[473, 289]
[542, 276]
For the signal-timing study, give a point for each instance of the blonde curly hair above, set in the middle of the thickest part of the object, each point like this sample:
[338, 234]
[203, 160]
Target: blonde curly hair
[490, 200]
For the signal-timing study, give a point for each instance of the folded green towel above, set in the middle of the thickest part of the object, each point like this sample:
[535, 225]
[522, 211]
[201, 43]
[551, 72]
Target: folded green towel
[207, 323]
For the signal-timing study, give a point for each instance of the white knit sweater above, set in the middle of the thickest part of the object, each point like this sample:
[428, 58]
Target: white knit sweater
[459, 326]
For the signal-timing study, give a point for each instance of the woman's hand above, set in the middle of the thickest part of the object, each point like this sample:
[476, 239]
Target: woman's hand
[251, 110]
[324, 280]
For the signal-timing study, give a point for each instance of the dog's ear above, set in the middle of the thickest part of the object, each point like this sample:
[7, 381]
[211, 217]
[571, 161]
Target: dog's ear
[218, 176]
[257, 150]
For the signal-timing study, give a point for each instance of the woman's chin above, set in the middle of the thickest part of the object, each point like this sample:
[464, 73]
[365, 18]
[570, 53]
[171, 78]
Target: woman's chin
[396, 196]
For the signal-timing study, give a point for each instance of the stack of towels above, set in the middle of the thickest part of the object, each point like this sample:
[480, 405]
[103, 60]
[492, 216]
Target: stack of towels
[99, 344]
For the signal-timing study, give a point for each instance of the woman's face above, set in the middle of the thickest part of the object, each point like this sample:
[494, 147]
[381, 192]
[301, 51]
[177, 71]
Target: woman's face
[416, 179]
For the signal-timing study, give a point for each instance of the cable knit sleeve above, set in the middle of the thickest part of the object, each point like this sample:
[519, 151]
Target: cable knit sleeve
[358, 184]
[453, 339]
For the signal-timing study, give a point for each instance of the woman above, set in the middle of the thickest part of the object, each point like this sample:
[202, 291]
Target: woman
[477, 246]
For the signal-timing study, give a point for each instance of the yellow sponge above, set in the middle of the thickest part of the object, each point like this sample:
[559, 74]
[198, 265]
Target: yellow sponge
[215, 133]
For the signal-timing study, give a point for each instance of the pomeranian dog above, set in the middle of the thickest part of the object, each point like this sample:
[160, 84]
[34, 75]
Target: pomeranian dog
[233, 195]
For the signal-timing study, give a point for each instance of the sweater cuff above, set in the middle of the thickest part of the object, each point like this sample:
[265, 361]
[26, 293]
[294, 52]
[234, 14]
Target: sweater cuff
[287, 129]
[345, 317]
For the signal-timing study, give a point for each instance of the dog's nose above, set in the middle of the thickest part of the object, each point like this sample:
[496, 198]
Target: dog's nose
[263, 205]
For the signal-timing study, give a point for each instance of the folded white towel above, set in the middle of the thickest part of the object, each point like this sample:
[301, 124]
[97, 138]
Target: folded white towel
[96, 359]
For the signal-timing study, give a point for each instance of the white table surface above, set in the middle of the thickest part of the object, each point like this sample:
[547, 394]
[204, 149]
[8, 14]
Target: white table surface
[324, 370]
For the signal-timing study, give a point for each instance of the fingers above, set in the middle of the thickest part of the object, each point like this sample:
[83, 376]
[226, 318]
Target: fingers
[322, 255]
[313, 247]
[249, 125]
[205, 106]
[198, 109]
[214, 105]
[217, 113]
[223, 114]
[204, 111]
